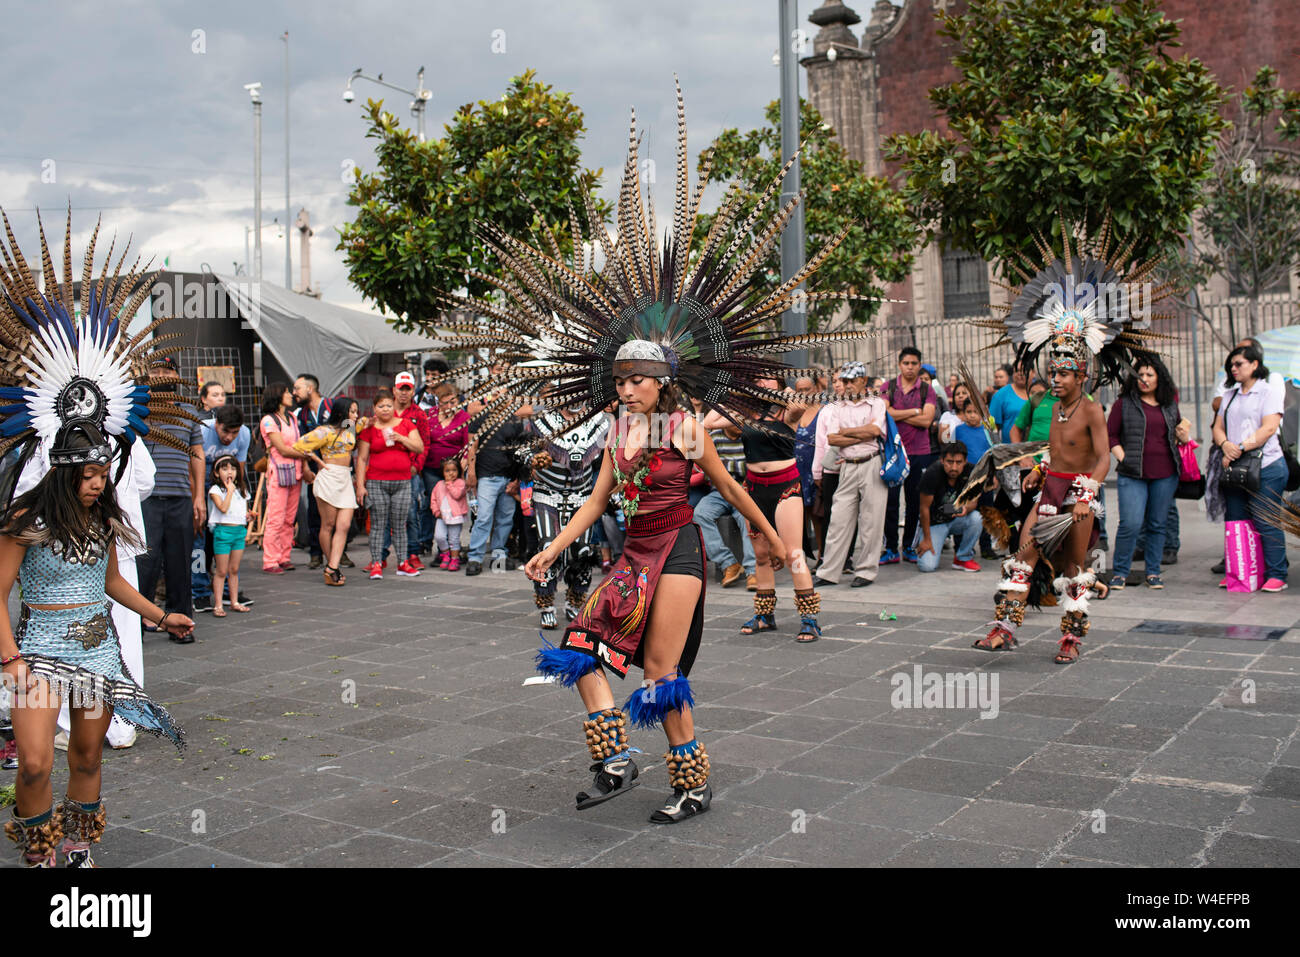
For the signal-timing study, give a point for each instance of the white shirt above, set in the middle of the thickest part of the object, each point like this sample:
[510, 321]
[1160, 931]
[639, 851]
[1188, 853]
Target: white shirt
[1243, 417]
[238, 514]
[839, 416]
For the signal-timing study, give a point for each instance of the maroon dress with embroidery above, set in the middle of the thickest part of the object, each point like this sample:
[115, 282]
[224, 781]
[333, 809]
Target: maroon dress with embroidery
[612, 622]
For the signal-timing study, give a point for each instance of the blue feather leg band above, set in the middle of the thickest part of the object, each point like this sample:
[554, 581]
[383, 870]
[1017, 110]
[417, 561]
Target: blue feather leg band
[562, 664]
[647, 706]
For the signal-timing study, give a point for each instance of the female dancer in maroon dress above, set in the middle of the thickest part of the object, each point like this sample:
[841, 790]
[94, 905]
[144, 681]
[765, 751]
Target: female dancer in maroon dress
[649, 610]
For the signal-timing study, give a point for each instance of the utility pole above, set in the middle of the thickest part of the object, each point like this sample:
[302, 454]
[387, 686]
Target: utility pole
[288, 262]
[255, 93]
[794, 321]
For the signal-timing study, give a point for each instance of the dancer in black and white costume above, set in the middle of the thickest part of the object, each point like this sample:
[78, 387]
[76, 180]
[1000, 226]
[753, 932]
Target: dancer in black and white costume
[564, 471]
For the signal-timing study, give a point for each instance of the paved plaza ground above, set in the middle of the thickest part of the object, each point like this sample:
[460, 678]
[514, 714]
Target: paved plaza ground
[1162, 746]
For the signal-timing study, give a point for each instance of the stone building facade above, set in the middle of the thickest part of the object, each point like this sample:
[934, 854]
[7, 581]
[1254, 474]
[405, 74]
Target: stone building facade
[875, 83]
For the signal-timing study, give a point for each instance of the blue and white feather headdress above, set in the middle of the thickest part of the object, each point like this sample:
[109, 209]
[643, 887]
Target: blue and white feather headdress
[70, 376]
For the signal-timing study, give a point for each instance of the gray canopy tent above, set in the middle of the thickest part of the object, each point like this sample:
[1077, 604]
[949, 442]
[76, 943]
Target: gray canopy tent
[305, 333]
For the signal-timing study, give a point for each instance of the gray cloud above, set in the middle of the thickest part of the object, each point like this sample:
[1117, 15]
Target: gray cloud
[135, 119]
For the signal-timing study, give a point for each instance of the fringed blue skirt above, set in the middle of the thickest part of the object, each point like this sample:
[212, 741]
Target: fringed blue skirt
[76, 650]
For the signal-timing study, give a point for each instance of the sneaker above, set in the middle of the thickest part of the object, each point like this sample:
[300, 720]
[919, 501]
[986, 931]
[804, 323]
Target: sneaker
[203, 604]
[969, 566]
[443, 559]
[548, 618]
[889, 557]
[1220, 569]
[989, 554]
[346, 562]
[413, 561]
[244, 599]
[9, 756]
[1153, 581]
[453, 564]
[275, 570]
[1224, 583]
[909, 555]
[316, 562]
[1117, 583]
[1169, 557]
[288, 566]
[571, 611]
[473, 568]
[127, 742]
[61, 740]
[407, 570]
[375, 571]
[1275, 584]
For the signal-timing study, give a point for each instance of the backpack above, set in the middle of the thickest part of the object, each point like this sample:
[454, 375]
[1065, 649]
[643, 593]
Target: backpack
[894, 466]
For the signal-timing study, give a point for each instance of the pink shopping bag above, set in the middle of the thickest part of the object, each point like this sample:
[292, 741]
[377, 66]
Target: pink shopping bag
[1243, 553]
[1189, 471]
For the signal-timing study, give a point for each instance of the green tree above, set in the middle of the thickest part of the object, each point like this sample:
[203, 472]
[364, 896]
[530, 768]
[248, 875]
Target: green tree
[414, 235]
[836, 192]
[1250, 224]
[1074, 105]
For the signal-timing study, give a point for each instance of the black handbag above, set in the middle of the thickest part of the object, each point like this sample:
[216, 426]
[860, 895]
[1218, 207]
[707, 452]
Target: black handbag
[1243, 474]
[1193, 489]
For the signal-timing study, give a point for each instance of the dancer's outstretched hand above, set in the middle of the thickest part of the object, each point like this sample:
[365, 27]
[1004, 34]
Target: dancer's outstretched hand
[539, 564]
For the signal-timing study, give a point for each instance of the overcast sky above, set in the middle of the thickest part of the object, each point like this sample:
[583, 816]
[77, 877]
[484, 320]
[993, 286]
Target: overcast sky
[123, 108]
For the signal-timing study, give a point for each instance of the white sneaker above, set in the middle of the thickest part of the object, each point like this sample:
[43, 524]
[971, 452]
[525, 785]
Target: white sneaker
[61, 740]
[127, 740]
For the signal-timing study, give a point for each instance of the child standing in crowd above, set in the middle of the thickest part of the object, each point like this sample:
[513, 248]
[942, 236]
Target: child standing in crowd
[450, 505]
[971, 433]
[228, 520]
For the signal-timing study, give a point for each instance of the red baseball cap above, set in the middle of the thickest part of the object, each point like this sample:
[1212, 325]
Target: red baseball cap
[404, 378]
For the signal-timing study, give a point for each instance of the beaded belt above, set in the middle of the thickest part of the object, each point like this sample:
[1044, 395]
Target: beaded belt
[662, 521]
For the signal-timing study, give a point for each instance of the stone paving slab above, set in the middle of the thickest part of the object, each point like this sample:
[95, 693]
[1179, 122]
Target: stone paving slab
[386, 723]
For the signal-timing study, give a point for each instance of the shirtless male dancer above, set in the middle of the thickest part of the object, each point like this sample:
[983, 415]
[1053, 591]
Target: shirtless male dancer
[1071, 477]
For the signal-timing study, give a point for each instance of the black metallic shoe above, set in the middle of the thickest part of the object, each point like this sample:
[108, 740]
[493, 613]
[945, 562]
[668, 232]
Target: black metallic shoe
[683, 804]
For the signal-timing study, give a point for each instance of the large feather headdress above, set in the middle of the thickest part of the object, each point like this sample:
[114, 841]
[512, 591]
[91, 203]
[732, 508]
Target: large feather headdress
[70, 375]
[557, 319]
[1092, 300]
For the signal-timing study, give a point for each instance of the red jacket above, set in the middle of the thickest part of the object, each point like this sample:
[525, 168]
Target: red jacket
[415, 415]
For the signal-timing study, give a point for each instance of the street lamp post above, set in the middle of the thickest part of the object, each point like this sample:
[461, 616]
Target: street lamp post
[255, 94]
[417, 105]
[794, 322]
[288, 261]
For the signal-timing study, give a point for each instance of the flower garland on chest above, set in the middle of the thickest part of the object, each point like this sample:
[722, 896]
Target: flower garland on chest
[631, 487]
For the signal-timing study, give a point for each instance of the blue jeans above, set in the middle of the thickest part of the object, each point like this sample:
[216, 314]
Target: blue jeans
[707, 512]
[1241, 506]
[1172, 529]
[419, 523]
[966, 529]
[1143, 507]
[496, 514]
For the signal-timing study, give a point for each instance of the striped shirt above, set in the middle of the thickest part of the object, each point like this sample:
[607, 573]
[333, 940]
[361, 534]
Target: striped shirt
[172, 467]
